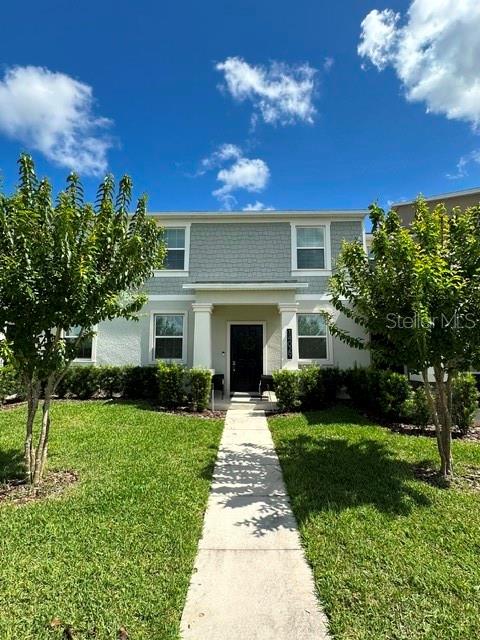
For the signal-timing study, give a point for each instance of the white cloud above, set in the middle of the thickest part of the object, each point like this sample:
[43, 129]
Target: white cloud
[379, 36]
[463, 164]
[257, 206]
[435, 53]
[282, 94]
[52, 113]
[236, 172]
[251, 174]
[221, 155]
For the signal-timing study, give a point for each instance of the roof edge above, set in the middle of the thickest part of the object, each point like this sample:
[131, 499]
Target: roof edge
[441, 196]
[264, 215]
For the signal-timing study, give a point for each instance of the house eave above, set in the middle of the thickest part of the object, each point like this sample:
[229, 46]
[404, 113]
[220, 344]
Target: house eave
[441, 196]
[245, 286]
[260, 216]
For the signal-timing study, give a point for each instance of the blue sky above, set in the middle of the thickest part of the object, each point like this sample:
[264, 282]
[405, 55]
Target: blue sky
[157, 72]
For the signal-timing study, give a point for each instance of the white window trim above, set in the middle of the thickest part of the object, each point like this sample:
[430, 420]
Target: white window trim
[93, 358]
[327, 270]
[177, 273]
[168, 312]
[328, 339]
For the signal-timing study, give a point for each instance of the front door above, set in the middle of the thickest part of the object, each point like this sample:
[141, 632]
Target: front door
[246, 357]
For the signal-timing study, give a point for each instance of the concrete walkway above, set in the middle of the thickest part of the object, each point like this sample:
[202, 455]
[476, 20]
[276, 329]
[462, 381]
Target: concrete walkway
[251, 580]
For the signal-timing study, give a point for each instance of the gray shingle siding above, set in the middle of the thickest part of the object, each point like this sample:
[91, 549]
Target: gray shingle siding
[340, 231]
[255, 251]
[166, 286]
[248, 252]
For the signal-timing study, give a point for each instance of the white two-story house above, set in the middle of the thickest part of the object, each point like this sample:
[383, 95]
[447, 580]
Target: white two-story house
[241, 293]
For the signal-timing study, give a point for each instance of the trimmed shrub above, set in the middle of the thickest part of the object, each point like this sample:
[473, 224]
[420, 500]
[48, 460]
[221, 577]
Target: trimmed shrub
[416, 409]
[379, 391]
[311, 389]
[171, 385]
[464, 401]
[140, 383]
[393, 390]
[9, 382]
[200, 388]
[82, 382]
[333, 380]
[111, 381]
[286, 387]
[357, 382]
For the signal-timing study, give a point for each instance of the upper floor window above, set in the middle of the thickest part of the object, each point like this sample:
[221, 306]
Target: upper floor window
[175, 241]
[312, 336]
[169, 336]
[84, 347]
[310, 247]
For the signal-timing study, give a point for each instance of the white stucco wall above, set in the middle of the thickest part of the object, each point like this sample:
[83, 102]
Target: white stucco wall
[130, 343]
[344, 356]
[118, 343]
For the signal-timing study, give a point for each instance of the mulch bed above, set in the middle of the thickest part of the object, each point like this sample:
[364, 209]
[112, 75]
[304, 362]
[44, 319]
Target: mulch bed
[408, 429]
[474, 434]
[13, 404]
[55, 483]
[413, 430]
[468, 478]
[204, 414]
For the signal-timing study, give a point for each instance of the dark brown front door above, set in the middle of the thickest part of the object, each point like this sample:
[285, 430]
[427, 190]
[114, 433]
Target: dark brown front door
[246, 357]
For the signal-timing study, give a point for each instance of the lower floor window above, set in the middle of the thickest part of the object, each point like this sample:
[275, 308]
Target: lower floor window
[84, 347]
[312, 336]
[169, 336]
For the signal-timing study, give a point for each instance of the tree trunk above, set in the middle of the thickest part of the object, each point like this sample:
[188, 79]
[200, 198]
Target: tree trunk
[42, 447]
[33, 394]
[444, 404]
[434, 411]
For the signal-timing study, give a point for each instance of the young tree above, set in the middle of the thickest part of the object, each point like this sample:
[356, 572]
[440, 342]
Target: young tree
[62, 265]
[418, 300]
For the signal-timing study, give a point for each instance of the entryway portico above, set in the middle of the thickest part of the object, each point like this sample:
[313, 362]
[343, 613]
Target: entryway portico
[243, 330]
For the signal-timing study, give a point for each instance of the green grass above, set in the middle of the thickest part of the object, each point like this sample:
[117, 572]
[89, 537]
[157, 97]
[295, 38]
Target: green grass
[393, 557]
[117, 548]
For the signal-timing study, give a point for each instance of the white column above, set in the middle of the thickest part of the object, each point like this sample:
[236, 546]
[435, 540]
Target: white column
[202, 335]
[288, 315]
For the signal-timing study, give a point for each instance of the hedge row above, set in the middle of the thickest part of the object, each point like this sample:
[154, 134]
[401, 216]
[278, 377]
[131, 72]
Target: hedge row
[382, 393]
[308, 389]
[390, 396]
[464, 404]
[385, 394]
[171, 385]
[85, 382]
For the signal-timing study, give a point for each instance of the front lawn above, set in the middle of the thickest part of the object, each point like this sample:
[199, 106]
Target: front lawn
[116, 549]
[394, 558]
